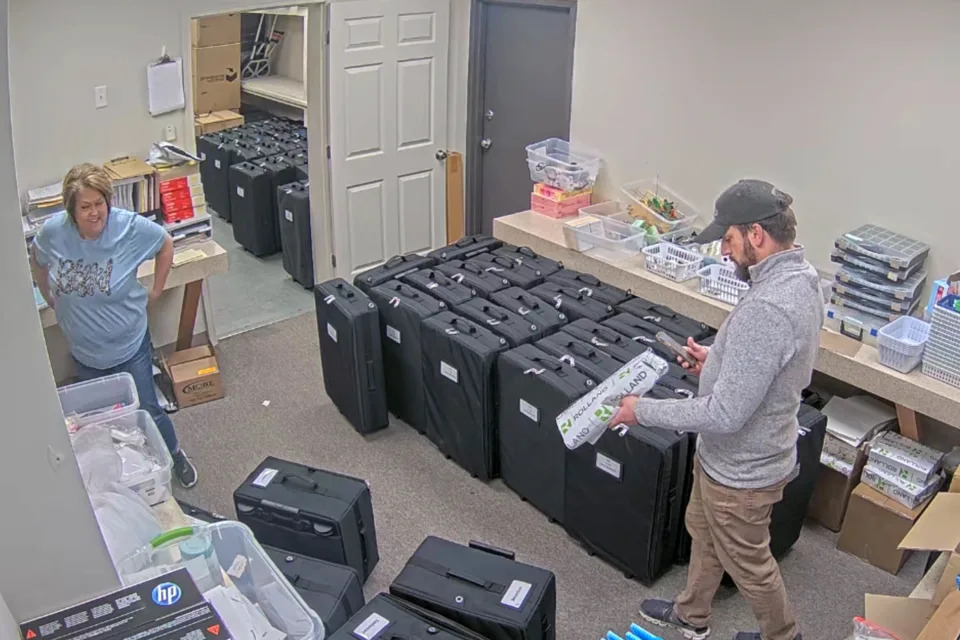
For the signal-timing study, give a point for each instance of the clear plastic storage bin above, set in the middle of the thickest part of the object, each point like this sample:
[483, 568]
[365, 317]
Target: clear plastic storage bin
[853, 324]
[721, 282]
[888, 247]
[150, 477]
[610, 208]
[901, 343]
[671, 261]
[638, 193]
[223, 555]
[606, 238]
[869, 308]
[99, 399]
[872, 297]
[563, 165]
[864, 263]
[909, 289]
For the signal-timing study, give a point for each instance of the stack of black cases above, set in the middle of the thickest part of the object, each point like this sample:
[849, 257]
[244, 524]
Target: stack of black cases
[402, 310]
[459, 357]
[482, 588]
[393, 269]
[526, 256]
[510, 326]
[605, 339]
[386, 617]
[530, 307]
[348, 324]
[311, 512]
[642, 332]
[296, 242]
[572, 302]
[516, 273]
[590, 286]
[666, 318]
[582, 356]
[473, 276]
[465, 248]
[440, 286]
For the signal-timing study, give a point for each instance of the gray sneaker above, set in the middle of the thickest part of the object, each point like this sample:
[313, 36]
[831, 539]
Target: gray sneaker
[662, 614]
[184, 470]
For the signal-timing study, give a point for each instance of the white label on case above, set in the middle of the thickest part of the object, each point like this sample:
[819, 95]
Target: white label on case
[371, 626]
[240, 191]
[266, 477]
[393, 334]
[237, 567]
[288, 215]
[216, 163]
[516, 594]
[448, 372]
[331, 332]
[609, 465]
[529, 410]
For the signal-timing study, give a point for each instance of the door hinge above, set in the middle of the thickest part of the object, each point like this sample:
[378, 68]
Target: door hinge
[333, 260]
[328, 152]
[327, 36]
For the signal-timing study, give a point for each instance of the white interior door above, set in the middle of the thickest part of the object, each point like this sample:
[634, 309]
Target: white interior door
[388, 119]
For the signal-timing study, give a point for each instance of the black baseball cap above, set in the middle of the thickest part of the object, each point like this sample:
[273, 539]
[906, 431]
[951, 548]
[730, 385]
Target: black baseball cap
[746, 202]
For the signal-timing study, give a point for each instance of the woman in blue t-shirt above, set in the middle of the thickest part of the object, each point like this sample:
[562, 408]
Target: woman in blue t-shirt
[85, 263]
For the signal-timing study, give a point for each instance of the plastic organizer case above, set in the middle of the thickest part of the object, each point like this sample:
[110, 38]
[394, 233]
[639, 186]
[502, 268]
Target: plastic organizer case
[641, 193]
[871, 297]
[901, 343]
[98, 399]
[672, 261]
[893, 249]
[720, 281]
[563, 165]
[221, 556]
[853, 324]
[941, 357]
[863, 306]
[908, 289]
[604, 237]
[866, 263]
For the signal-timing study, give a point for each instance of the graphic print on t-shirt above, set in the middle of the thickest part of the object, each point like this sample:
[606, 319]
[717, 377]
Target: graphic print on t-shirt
[76, 276]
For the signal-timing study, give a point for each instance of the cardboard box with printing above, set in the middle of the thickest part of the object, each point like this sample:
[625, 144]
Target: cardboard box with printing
[904, 458]
[903, 491]
[195, 375]
[832, 490]
[216, 78]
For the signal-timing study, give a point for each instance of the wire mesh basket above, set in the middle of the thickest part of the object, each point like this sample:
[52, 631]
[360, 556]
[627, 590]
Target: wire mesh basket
[720, 281]
[671, 261]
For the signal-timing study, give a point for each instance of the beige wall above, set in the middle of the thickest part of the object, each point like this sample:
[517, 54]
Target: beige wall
[849, 106]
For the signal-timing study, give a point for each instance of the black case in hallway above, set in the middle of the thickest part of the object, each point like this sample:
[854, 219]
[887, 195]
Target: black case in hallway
[530, 307]
[574, 304]
[313, 512]
[515, 329]
[482, 588]
[252, 208]
[214, 151]
[282, 171]
[296, 241]
[591, 286]
[516, 273]
[473, 276]
[402, 309]
[581, 355]
[624, 499]
[605, 339]
[393, 269]
[666, 318]
[459, 357]
[333, 591]
[440, 286]
[386, 617]
[527, 256]
[237, 152]
[350, 354]
[465, 248]
[534, 389]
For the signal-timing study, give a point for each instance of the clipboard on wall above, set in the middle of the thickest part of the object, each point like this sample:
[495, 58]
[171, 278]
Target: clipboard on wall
[165, 85]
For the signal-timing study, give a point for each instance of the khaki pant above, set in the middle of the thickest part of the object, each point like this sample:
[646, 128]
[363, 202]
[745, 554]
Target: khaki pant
[731, 531]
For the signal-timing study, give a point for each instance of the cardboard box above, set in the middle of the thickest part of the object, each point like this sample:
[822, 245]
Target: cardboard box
[836, 447]
[954, 483]
[938, 529]
[216, 121]
[216, 78]
[905, 458]
[945, 623]
[831, 494]
[195, 375]
[874, 526]
[903, 491]
[215, 30]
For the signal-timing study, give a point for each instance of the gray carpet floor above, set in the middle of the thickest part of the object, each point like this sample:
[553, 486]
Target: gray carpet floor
[417, 492]
[254, 292]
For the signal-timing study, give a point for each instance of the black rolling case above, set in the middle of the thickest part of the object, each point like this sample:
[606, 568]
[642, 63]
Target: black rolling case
[643, 333]
[402, 309]
[252, 208]
[282, 171]
[624, 499]
[666, 318]
[296, 241]
[516, 273]
[237, 152]
[334, 591]
[530, 307]
[393, 269]
[473, 276]
[506, 324]
[482, 588]
[605, 339]
[591, 286]
[204, 515]
[386, 617]
[303, 173]
[316, 513]
[350, 355]
[534, 389]
[574, 304]
[214, 152]
[459, 357]
[526, 255]
[581, 355]
[465, 248]
[440, 286]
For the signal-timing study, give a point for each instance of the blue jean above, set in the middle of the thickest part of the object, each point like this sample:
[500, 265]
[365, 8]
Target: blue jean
[140, 366]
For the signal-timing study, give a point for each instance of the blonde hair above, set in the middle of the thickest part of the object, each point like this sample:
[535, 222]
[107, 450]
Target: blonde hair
[85, 176]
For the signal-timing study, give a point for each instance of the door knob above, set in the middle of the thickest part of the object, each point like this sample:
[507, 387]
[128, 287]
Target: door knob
[486, 143]
[489, 114]
[441, 154]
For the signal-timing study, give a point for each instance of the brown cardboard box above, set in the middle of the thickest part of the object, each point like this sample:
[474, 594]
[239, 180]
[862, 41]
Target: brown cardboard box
[915, 618]
[216, 121]
[938, 529]
[831, 494]
[954, 483]
[195, 374]
[216, 30]
[216, 78]
[874, 526]
[945, 623]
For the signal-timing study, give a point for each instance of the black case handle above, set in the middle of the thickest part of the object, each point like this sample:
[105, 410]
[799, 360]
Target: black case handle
[493, 311]
[553, 365]
[395, 261]
[579, 347]
[344, 291]
[466, 577]
[458, 321]
[589, 279]
[294, 478]
[527, 251]
[465, 242]
[489, 548]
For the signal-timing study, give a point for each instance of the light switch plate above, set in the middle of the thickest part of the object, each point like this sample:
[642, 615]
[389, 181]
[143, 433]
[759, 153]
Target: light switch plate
[100, 96]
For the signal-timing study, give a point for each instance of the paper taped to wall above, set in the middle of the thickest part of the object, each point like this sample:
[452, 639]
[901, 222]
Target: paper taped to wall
[587, 418]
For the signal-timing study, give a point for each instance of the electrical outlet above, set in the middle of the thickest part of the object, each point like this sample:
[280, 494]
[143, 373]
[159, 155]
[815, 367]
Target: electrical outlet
[100, 96]
[169, 133]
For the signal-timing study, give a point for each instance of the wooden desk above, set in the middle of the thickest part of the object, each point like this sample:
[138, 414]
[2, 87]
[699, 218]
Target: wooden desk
[913, 393]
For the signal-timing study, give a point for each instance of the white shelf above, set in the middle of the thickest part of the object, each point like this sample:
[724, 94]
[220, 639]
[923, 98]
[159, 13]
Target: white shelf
[283, 11]
[278, 89]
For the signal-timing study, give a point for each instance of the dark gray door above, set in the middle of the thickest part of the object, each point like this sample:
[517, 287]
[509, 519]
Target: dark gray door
[521, 74]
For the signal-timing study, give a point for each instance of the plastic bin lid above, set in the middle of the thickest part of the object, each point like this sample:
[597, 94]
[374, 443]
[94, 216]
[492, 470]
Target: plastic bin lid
[879, 243]
[907, 289]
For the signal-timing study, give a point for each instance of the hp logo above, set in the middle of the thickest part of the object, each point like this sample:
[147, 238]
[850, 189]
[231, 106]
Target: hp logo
[166, 594]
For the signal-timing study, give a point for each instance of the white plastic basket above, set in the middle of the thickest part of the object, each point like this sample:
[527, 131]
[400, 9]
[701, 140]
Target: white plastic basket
[671, 261]
[901, 343]
[563, 165]
[941, 357]
[720, 282]
[98, 399]
[685, 212]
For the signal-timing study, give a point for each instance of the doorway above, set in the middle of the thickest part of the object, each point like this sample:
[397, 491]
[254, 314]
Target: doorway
[520, 88]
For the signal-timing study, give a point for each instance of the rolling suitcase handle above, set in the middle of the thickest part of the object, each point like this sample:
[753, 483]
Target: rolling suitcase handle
[575, 347]
[489, 548]
[293, 477]
[470, 328]
[495, 313]
[323, 530]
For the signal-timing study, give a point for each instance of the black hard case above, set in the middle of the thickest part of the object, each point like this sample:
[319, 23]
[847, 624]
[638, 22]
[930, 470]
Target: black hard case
[605, 339]
[214, 152]
[440, 286]
[393, 269]
[473, 276]
[510, 326]
[591, 286]
[666, 318]
[530, 307]
[516, 273]
[572, 302]
[584, 357]
[253, 207]
[387, 617]
[296, 241]
[643, 333]
[465, 248]
[527, 256]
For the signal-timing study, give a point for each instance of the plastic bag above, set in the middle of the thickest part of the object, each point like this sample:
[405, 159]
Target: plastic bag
[865, 630]
[126, 521]
[100, 465]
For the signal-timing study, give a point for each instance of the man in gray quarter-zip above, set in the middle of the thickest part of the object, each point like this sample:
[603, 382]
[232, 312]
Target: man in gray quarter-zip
[745, 415]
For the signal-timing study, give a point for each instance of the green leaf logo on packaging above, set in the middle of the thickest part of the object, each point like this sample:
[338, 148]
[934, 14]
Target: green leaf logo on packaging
[604, 413]
[625, 373]
[566, 426]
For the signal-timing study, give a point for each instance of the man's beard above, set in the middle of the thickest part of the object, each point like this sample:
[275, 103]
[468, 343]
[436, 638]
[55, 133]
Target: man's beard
[749, 259]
